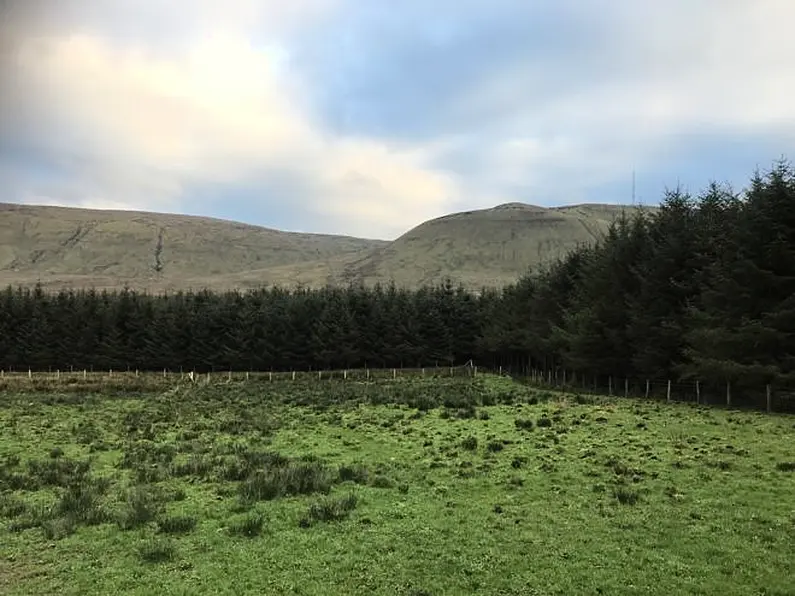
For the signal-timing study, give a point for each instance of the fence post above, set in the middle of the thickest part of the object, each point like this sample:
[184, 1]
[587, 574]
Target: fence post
[500, 369]
[668, 391]
[293, 375]
[698, 393]
[394, 373]
[229, 378]
[58, 374]
[84, 374]
[110, 372]
[345, 374]
[647, 388]
[247, 375]
[769, 397]
[626, 387]
[319, 375]
[728, 393]
[367, 373]
[610, 385]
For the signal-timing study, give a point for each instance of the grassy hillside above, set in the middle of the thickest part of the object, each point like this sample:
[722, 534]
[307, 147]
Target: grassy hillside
[488, 247]
[67, 247]
[78, 247]
[408, 487]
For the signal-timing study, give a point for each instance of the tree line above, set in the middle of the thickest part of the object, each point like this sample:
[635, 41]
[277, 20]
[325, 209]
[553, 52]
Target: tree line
[701, 288]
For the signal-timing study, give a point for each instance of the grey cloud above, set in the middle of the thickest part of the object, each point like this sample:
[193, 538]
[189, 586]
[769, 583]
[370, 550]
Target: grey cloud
[401, 72]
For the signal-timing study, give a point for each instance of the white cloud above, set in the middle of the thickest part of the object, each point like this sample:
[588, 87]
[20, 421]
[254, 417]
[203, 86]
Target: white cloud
[142, 124]
[137, 102]
[672, 69]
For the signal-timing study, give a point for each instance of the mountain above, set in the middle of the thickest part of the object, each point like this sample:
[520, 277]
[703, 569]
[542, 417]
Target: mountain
[63, 246]
[70, 247]
[487, 247]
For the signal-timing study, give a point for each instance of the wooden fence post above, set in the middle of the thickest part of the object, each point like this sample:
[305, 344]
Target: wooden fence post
[319, 375]
[769, 397]
[293, 375]
[394, 373]
[58, 374]
[647, 388]
[248, 375]
[626, 387]
[668, 391]
[345, 374]
[610, 385]
[84, 374]
[728, 393]
[367, 373]
[698, 393]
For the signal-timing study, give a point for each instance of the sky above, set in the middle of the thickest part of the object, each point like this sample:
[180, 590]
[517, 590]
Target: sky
[368, 117]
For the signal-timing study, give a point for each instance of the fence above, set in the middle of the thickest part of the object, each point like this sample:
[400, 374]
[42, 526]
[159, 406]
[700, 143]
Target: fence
[361, 374]
[769, 398]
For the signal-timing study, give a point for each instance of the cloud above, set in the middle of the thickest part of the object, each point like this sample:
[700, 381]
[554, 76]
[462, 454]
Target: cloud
[553, 99]
[137, 126]
[367, 118]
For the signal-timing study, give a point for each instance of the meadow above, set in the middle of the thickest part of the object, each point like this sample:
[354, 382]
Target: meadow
[412, 486]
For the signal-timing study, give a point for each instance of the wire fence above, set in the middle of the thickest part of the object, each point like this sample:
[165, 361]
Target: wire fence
[52, 378]
[770, 398]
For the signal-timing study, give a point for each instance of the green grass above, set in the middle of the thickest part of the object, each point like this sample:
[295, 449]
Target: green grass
[349, 488]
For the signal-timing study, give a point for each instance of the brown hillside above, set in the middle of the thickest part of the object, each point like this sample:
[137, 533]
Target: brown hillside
[488, 247]
[68, 247]
[63, 246]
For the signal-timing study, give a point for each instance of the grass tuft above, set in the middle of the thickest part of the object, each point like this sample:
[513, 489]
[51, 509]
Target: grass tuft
[249, 525]
[176, 524]
[470, 443]
[626, 496]
[157, 550]
[329, 510]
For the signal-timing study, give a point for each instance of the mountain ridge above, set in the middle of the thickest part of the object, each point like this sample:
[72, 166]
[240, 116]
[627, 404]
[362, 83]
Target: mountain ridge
[70, 247]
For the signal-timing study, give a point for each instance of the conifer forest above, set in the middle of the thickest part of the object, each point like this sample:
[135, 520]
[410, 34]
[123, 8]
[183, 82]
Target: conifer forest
[703, 288]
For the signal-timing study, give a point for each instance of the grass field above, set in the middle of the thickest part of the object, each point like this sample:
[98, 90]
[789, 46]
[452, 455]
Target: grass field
[414, 486]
